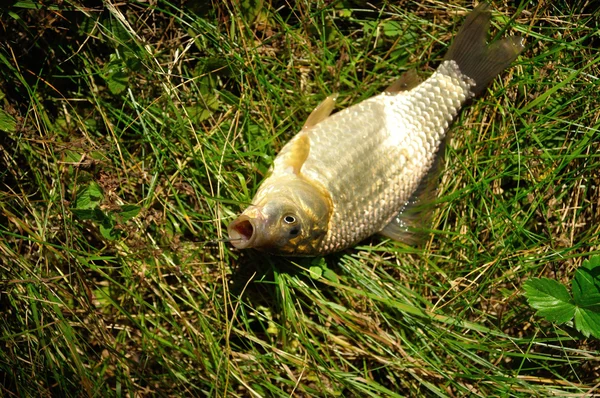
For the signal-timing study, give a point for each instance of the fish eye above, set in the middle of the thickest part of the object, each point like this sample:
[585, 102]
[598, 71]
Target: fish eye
[289, 219]
[292, 221]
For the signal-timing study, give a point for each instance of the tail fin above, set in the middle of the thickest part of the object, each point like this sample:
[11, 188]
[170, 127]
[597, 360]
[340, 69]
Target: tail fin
[474, 57]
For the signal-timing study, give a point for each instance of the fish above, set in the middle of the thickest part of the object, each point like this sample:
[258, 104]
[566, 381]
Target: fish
[348, 175]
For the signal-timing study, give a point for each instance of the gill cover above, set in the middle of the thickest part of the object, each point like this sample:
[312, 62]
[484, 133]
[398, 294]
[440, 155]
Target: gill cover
[289, 214]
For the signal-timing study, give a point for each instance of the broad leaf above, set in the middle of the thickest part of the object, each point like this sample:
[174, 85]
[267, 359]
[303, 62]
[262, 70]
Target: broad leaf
[89, 197]
[128, 212]
[331, 276]
[90, 214]
[587, 322]
[117, 82]
[107, 229]
[7, 122]
[251, 9]
[590, 302]
[587, 278]
[315, 272]
[586, 294]
[583, 284]
[550, 298]
[116, 75]
[108, 233]
[592, 263]
[84, 214]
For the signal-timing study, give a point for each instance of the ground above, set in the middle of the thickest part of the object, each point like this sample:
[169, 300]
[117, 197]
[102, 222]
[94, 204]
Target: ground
[133, 133]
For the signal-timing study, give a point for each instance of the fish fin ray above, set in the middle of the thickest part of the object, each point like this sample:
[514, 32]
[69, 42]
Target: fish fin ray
[476, 59]
[321, 112]
[403, 229]
[407, 81]
[412, 221]
[296, 154]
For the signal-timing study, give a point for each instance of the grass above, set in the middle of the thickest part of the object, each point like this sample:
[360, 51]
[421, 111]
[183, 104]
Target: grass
[132, 134]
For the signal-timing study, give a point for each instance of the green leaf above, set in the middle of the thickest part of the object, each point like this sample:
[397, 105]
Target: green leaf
[132, 61]
[117, 82]
[550, 298]
[89, 197]
[330, 275]
[206, 106]
[586, 294]
[590, 302]
[392, 28]
[84, 214]
[592, 263]
[107, 229]
[116, 75]
[315, 272]
[128, 212]
[72, 156]
[587, 280]
[250, 9]
[7, 122]
[90, 214]
[587, 322]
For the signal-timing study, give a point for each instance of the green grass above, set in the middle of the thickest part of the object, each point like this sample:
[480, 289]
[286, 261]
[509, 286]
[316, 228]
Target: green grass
[178, 111]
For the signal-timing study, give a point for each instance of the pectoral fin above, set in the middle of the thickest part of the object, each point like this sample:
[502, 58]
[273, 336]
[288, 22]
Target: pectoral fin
[321, 112]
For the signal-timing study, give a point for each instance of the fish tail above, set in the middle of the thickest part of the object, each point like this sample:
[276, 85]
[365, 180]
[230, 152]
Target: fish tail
[475, 58]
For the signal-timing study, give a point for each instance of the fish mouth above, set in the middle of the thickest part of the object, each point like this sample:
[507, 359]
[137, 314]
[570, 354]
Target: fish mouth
[242, 232]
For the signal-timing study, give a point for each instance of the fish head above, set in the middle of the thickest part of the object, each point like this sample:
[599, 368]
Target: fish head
[288, 216]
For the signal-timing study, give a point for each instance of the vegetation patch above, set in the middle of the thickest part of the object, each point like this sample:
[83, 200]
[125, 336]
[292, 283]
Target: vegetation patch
[132, 133]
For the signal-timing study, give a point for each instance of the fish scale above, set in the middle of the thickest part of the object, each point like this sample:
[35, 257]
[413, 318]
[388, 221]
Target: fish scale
[389, 137]
[360, 171]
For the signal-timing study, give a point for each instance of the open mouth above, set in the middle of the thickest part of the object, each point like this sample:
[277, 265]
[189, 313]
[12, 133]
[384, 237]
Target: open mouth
[241, 232]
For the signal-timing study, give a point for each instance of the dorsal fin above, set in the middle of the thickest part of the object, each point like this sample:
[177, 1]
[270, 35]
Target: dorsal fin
[407, 81]
[297, 153]
[321, 112]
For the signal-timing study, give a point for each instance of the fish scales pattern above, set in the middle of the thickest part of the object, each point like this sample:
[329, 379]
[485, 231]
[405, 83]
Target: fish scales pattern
[372, 156]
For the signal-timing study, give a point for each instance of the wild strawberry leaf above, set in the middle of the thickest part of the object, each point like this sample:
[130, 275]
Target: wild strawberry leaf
[89, 214]
[587, 322]
[586, 295]
[592, 263]
[550, 298]
[587, 279]
[108, 231]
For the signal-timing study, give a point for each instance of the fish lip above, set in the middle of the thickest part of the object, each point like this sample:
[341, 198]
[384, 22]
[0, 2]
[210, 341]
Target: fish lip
[243, 232]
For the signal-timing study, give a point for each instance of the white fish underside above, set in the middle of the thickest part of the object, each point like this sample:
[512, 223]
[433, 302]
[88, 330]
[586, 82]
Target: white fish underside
[372, 156]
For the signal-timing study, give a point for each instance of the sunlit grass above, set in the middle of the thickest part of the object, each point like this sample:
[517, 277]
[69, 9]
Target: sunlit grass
[178, 113]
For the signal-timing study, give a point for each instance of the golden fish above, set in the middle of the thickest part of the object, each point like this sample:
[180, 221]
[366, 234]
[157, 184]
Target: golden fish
[355, 173]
